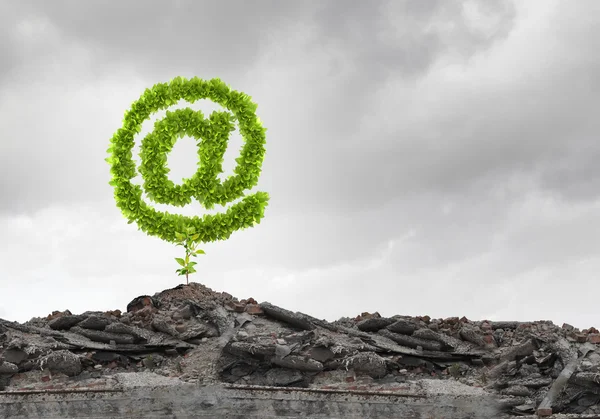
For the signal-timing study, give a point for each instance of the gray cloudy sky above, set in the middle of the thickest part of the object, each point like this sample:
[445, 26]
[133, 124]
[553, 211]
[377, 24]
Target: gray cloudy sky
[423, 157]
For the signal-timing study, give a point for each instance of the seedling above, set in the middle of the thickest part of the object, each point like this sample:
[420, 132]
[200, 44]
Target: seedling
[189, 241]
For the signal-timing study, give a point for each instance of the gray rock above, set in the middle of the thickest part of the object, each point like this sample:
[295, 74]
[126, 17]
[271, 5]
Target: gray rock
[8, 368]
[522, 350]
[4, 382]
[247, 348]
[95, 322]
[538, 382]
[63, 361]
[321, 354]
[368, 363]
[519, 391]
[402, 326]
[160, 324]
[186, 312]
[283, 377]
[15, 355]
[102, 356]
[194, 331]
[505, 325]
[299, 363]
[65, 322]
[101, 336]
[410, 341]
[374, 324]
[281, 351]
[140, 335]
[298, 320]
[219, 318]
[471, 334]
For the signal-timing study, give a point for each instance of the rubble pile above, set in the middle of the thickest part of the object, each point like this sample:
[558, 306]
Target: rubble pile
[192, 334]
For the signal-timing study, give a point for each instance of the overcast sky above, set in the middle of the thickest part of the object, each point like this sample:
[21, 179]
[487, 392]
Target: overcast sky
[423, 157]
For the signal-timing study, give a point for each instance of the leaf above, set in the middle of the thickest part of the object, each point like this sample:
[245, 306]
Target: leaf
[191, 270]
[192, 264]
[200, 252]
[180, 261]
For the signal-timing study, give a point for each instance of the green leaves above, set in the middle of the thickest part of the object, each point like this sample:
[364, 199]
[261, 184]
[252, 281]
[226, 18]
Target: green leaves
[212, 134]
[204, 185]
[188, 240]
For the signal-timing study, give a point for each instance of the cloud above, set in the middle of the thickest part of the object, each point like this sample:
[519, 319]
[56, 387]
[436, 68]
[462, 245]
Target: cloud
[470, 124]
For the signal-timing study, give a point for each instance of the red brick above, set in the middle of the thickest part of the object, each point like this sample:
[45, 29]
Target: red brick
[253, 309]
[594, 338]
[45, 378]
[489, 340]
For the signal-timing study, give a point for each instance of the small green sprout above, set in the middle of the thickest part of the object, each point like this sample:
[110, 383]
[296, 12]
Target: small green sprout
[189, 241]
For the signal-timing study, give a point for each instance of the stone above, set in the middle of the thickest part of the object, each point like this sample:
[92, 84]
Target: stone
[115, 313]
[402, 326]
[373, 324]
[102, 356]
[160, 324]
[505, 325]
[220, 319]
[567, 327]
[299, 363]
[8, 368]
[410, 341]
[281, 351]
[471, 334]
[242, 319]
[141, 302]
[283, 377]
[193, 331]
[368, 363]
[532, 382]
[65, 322]
[451, 320]
[248, 348]
[186, 312]
[56, 314]
[101, 336]
[15, 355]
[62, 361]
[95, 322]
[4, 382]
[297, 320]
[321, 354]
[517, 390]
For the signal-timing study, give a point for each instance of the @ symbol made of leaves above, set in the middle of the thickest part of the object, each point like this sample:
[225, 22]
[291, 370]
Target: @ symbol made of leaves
[211, 134]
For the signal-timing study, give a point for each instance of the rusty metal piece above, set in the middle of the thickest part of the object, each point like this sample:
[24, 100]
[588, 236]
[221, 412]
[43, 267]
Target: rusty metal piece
[62, 391]
[324, 391]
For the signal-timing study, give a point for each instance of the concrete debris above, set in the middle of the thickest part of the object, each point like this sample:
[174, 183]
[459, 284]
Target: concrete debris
[192, 334]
